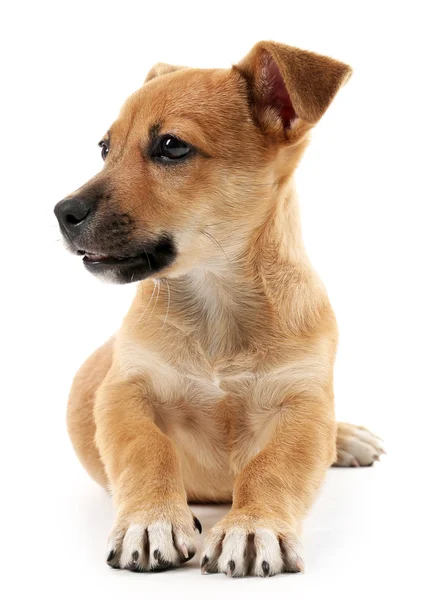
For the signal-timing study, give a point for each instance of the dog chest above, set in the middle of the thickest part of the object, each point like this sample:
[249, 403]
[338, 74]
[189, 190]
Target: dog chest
[219, 416]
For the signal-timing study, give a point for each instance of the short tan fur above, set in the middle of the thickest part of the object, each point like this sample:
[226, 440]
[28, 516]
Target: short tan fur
[218, 387]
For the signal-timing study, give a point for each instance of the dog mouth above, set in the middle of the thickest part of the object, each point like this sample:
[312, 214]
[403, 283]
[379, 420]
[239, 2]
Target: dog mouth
[104, 259]
[132, 264]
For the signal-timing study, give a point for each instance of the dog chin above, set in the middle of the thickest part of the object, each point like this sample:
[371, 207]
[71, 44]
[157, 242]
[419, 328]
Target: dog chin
[123, 273]
[132, 266]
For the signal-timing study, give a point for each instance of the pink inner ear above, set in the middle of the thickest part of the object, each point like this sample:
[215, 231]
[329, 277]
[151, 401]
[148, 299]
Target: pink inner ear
[275, 92]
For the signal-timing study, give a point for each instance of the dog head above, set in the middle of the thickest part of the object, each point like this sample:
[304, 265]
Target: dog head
[195, 161]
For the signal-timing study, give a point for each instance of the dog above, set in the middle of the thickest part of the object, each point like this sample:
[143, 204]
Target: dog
[218, 387]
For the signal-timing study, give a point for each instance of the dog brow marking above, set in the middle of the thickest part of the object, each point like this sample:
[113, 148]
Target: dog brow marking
[154, 131]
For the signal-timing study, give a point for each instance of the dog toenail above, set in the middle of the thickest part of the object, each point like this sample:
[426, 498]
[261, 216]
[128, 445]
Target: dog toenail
[111, 555]
[204, 564]
[300, 565]
[197, 524]
[266, 568]
[135, 556]
[162, 562]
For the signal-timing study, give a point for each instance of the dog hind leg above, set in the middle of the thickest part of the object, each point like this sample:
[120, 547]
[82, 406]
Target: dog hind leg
[357, 446]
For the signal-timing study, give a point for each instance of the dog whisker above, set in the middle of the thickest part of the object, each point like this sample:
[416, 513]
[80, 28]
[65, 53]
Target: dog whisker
[148, 257]
[157, 281]
[146, 308]
[207, 234]
[169, 300]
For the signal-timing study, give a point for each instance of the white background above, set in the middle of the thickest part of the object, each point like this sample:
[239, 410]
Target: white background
[366, 189]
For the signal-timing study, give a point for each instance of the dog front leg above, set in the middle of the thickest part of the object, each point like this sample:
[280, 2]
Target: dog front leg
[272, 494]
[154, 526]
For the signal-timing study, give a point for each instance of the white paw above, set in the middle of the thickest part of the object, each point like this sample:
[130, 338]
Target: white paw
[240, 547]
[357, 446]
[141, 543]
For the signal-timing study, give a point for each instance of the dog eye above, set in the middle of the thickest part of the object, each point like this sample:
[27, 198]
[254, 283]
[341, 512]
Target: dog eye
[104, 149]
[170, 147]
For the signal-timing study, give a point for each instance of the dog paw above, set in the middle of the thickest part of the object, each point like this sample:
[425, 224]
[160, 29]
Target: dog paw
[153, 540]
[241, 545]
[357, 446]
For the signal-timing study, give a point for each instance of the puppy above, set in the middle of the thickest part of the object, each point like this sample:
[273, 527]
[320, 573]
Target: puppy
[219, 385]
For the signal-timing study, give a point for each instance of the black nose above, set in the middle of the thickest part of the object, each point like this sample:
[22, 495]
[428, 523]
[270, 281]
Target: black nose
[72, 214]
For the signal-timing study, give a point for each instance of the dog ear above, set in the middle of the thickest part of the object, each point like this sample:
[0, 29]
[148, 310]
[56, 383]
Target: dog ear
[161, 69]
[288, 83]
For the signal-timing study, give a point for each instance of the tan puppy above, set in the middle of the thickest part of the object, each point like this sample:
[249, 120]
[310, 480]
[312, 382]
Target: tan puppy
[219, 384]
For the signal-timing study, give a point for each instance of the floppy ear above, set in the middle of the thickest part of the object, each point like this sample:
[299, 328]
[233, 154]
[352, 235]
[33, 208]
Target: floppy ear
[288, 83]
[161, 69]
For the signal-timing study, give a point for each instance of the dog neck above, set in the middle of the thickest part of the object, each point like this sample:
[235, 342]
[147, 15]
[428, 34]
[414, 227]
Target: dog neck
[271, 284]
